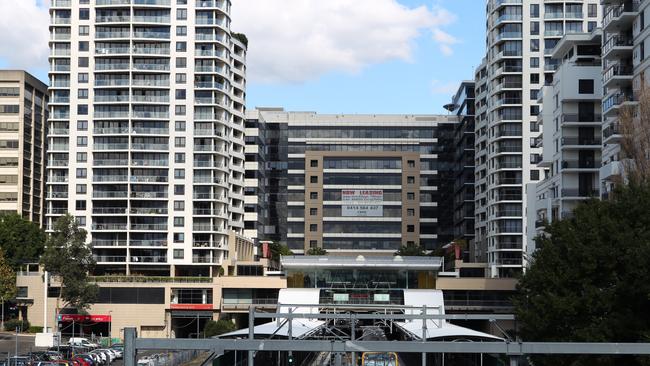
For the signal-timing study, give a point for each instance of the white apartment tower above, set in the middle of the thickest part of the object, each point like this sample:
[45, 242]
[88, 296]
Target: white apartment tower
[521, 35]
[571, 133]
[146, 131]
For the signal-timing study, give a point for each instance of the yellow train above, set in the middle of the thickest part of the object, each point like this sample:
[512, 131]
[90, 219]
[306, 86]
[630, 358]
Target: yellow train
[379, 359]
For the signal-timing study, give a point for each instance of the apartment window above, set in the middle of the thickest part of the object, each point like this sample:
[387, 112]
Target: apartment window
[534, 10]
[82, 189]
[82, 157]
[179, 158]
[179, 110]
[410, 212]
[84, 30]
[84, 46]
[534, 45]
[181, 94]
[179, 205]
[181, 78]
[534, 110]
[83, 77]
[178, 253]
[181, 30]
[313, 227]
[82, 141]
[179, 221]
[313, 179]
[410, 228]
[181, 2]
[591, 26]
[84, 14]
[313, 163]
[410, 180]
[82, 173]
[82, 93]
[313, 243]
[181, 14]
[179, 141]
[80, 205]
[592, 10]
[642, 50]
[179, 189]
[642, 20]
[313, 211]
[179, 125]
[534, 174]
[83, 62]
[82, 125]
[534, 127]
[410, 196]
[534, 93]
[81, 220]
[181, 62]
[534, 28]
[534, 62]
[585, 86]
[410, 163]
[534, 78]
[179, 173]
[82, 109]
[313, 195]
[181, 46]
[179, 238]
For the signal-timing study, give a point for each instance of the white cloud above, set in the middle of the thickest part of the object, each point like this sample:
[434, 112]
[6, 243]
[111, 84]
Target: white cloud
[23, 25]
[439, 87]
[298, 40]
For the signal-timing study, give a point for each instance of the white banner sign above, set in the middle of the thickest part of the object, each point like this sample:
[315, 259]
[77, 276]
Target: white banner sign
[362, 202]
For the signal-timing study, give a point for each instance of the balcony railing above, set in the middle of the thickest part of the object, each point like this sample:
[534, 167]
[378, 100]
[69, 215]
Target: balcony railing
[108, 243]
[580, 192]
[148, 34]
[113, 19]
[567, 117]
[151, 67]
[151, 50]
[140, 146]
[109, 210]
[616, 100]
[110, 194]
[110, 162]
[104, 35]
[580, 141]
[148, 258]
[148, 243]
[617, 41]
[110, 130]
[149, 179]
[148, 194]
[110, 178]
[109, 258]
[150, 19]
[149, 162]
[112, 2]
[617, 70]
[109, 226]
[616, 11]
[149, 227]
[149, 211]
[152, 2]
[578, 164]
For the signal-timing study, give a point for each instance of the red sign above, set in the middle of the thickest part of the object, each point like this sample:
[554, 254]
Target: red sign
[80, 318]
[191, 306]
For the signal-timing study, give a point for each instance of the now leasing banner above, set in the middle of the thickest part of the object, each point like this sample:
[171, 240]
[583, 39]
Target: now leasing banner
[362, 202]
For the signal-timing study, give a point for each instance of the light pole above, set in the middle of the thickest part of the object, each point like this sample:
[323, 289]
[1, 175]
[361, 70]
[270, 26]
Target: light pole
[110, 325]
[17, 328]
[2, 322]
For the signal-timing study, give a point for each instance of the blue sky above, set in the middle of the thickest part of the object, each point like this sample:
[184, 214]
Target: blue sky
[334, 56]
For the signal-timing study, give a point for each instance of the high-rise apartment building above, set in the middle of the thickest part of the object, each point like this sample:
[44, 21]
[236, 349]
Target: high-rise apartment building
[146, 131]
[463, 105]
[624, 74]
[521, 35]
[23, 113]
[349, 183]
[571, 133]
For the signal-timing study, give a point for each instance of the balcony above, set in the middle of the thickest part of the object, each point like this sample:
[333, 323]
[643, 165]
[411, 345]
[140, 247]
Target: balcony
[59, 20]
[149, 227]
[109, 210]
[153, 35]
[110, 130]
[577, 141]
[61, 3]
[579, 164]
[109, 114]
[112, 67]
[151, 67]
[105, 35]
[149, 179]
[61, 84]
[149, 162]
[211, 4]
[112, 2]
[113, 19]
[111, 82]
[110, 162]
[59, 131]
[580, 193]
[150, 19]
[110, 194]
[60, 147]
[150, 82]
[618, 47]
[612, 103]
[57, 163]
[148, 243]
[581, 118]
[108, 226]
[57, 195]
[554, 14]
[150, 114]
[574, 15]
[620, 16]
[151, 50]
[110, 178]
[148, 259]
[141, 146]
[149, 211]
[618, 73]
[152, 2]
[109, 258]
[112, 50]
[200, 259]
[108, 243]
[612, 134]
[149, 195]
[111, 98]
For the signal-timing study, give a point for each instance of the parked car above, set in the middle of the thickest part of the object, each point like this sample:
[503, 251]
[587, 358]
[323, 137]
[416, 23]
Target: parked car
[83, 342]
[19, 361]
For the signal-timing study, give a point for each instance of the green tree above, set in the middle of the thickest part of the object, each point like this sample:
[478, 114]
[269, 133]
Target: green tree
[7, 279]
[589, 280]
[410, 250]
[21, 240]
[278, 249]
[69, 259]
[316, 251]
[219, 327]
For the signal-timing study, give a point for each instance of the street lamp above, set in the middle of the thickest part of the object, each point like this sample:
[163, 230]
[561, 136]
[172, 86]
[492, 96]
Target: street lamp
[110, 325]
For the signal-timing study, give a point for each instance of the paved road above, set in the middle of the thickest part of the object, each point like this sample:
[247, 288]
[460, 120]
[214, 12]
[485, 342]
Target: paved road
[8, 344]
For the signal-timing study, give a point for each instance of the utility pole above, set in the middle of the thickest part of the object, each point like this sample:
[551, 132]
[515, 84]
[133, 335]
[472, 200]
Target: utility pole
[45, 283]
[2, 323]
[17, 330]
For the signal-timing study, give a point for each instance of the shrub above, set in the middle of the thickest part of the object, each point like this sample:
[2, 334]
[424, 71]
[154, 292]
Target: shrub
[219, 327]
[11, 324]
[35, 329]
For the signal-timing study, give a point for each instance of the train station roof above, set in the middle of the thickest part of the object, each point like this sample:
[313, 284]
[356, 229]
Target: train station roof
[424, 263]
